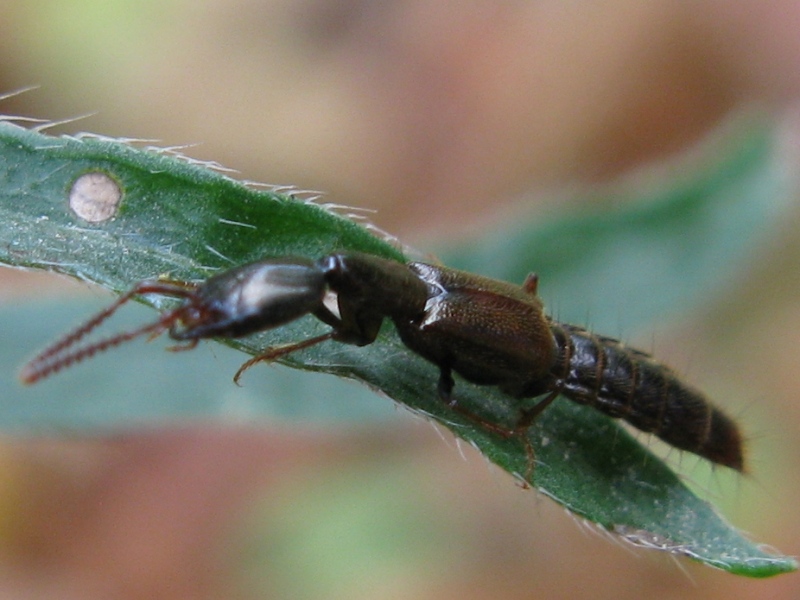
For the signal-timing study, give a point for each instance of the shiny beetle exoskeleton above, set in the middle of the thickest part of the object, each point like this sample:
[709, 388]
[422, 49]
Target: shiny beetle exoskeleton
[489, 332]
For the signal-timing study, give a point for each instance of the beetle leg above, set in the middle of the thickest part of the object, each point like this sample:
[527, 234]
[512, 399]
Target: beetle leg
[530, 415]
[191, 344]
[524, 424]
[273, 353]
[519, 430]
[445, 385]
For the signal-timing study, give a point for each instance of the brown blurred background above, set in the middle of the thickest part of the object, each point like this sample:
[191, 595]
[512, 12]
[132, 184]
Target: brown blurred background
[438, 115]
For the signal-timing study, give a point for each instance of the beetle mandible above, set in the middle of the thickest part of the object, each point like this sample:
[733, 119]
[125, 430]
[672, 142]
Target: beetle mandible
[487, 331]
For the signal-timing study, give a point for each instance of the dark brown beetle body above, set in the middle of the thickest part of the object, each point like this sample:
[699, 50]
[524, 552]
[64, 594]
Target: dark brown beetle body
[495, 333]
[628, 384]
[488, 331]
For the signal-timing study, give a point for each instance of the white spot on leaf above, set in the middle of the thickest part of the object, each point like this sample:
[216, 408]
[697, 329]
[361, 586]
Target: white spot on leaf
[95, 197]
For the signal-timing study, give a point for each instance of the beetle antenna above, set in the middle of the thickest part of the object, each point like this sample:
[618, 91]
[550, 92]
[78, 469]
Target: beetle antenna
[50, 362]
[52, 359]
[76, 335]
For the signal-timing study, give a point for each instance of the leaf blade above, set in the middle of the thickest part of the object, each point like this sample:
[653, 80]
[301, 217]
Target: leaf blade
[157, 230]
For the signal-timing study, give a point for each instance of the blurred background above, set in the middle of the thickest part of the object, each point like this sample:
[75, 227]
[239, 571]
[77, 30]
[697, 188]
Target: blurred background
[441, 117]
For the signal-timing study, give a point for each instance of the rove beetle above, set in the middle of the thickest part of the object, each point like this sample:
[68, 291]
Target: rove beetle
[488, 331]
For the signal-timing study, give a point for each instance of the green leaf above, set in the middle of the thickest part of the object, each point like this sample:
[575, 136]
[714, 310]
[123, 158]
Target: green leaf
[189, 221]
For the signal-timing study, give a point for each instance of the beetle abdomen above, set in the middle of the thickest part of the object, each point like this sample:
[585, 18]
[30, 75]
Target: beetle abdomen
[628, 384]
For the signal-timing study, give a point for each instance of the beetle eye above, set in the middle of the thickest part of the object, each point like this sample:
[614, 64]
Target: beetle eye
[189, 317]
